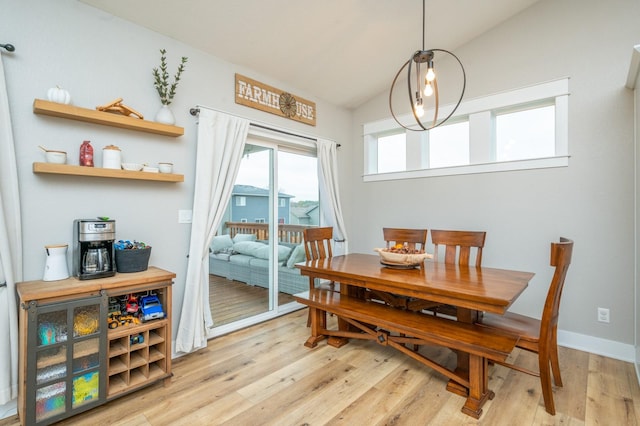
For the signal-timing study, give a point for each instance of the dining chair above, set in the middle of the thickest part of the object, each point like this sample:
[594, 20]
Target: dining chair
[540, 336]
[317, 245]
[459, 248]
[458, 245]
[415, 239]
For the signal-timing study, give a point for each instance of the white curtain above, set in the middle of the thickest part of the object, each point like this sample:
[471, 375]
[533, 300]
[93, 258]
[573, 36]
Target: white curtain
[329, 191]
[10, 251]
[221, 140]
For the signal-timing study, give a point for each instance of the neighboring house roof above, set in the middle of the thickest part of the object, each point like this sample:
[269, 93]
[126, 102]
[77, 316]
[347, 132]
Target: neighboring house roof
[255, 191]
[303, 212]
[300, 212]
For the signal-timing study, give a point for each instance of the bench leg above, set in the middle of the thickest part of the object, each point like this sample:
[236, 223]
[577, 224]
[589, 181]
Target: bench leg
[318, 324]
[479, 392]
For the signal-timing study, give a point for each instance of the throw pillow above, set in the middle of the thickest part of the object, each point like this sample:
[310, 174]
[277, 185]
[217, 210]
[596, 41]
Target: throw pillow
[250, 248]
[297, 255]
[259, 250]
[221, 243]
[244, 237]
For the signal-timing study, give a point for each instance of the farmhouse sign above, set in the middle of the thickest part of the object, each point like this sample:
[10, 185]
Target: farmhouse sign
[260, 96]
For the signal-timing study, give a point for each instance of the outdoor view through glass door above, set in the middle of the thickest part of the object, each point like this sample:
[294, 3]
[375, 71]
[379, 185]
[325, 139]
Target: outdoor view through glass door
[259, 241]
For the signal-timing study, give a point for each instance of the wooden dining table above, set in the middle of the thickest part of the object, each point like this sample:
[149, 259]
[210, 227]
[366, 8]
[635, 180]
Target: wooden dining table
[470, 289]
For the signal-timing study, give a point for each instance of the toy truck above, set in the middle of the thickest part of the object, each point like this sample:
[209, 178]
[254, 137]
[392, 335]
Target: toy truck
[151, 308]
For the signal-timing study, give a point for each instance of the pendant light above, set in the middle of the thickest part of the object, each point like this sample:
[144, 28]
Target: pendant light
[423, 85]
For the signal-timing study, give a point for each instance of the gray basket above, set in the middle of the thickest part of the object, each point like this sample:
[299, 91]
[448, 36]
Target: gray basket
[135, 260]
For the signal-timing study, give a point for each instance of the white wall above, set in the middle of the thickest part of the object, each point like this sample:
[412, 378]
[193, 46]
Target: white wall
[591, 201]
[98, 58]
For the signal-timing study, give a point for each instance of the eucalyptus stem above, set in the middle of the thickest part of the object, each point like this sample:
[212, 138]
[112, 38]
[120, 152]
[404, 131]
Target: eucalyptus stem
[161, 78]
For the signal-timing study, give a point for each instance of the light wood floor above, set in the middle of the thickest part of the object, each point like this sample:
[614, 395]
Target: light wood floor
[263, 375]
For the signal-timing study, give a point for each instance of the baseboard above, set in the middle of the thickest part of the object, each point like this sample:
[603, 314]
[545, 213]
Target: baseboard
[598, 346]
[9, 409]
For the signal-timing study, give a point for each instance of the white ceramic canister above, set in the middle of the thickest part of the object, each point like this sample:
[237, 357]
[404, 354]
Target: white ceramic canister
[111, 157]
[55, 267]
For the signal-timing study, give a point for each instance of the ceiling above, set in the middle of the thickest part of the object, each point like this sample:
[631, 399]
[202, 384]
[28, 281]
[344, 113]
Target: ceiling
[342, 51]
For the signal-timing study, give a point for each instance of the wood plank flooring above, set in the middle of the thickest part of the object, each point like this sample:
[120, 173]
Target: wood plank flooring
[263, 375]
[234, 300]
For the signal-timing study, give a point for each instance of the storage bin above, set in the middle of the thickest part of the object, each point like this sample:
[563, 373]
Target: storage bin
[135, 260]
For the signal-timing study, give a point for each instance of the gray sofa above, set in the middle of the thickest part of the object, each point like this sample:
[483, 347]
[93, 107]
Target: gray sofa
[245, 259]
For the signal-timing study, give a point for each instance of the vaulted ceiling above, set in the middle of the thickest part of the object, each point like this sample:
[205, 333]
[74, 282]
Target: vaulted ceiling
[342, 51]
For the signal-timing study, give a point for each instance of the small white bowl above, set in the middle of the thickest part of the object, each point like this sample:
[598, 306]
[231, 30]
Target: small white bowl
[57, 157]
[150, 169]
[134, 167]
[165, 167]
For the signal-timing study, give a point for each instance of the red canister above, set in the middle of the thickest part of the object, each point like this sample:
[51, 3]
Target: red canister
[86, 154]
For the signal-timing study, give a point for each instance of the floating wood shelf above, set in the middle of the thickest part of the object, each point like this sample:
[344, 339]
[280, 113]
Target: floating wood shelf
[66, 169]
[105, 118]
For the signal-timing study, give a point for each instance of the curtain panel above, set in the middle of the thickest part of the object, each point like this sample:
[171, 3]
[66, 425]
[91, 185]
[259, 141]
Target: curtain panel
[329, 188]
[10, 250]
[221, 141]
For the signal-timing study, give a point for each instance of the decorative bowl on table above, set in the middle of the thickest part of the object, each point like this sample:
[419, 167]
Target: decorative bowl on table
[396, 257]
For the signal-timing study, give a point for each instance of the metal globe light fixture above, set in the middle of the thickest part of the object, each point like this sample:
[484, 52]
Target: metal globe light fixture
[424, 86]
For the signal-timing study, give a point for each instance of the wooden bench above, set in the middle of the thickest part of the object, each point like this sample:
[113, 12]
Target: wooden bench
[399, 329]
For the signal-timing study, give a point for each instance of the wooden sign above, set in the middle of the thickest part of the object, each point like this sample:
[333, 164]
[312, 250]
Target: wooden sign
[261, 96]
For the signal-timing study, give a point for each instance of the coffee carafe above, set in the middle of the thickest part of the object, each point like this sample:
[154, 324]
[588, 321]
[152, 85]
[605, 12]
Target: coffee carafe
[93, 248]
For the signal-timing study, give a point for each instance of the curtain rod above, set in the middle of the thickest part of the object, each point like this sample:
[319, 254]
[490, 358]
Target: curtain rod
[196, 110]
[8, 47]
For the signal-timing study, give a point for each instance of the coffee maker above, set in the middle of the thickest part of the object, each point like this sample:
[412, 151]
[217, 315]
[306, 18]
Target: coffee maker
[93, 255]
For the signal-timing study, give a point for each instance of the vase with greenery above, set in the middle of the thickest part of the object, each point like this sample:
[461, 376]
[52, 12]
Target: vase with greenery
[165, 89]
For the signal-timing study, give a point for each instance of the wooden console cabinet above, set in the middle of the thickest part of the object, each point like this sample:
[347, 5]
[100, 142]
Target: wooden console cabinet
[71, 360]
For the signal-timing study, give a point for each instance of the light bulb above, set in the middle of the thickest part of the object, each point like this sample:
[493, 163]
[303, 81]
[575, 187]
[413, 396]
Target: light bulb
[418, 108]
[431, 75]
[428, 89]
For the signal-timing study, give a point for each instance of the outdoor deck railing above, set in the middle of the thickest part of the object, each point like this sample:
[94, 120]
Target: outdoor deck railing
[286, 233]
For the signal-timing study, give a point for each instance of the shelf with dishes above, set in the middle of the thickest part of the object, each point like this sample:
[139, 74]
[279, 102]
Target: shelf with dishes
[67, 169]
[104, 118]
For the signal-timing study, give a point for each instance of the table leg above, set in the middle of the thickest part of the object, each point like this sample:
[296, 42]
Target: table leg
[318, 323]
[338, 342]
[478, 391]
[463, 362]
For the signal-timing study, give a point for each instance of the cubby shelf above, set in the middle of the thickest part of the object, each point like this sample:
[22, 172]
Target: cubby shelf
[67, 169]
[121, 360]
[105, 118]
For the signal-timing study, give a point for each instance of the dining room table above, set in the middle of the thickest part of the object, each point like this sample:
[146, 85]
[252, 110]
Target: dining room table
[472, 290]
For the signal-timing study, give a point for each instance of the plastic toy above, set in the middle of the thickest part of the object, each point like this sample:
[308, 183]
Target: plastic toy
[151, 307]
[132, 304]
[136, 339]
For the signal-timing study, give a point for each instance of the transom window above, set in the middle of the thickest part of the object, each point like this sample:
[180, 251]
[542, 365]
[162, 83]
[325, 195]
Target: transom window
[521, 129]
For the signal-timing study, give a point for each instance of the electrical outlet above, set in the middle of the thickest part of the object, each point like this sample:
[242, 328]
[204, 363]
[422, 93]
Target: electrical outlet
[603, 315]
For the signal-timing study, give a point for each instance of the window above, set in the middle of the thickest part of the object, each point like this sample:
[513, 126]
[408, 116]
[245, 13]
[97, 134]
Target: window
[391, 153]
[521, 129]
[282, 202]
[241, 201]
[260, 220]
[525, 134]
[449, 145]
[243, 220]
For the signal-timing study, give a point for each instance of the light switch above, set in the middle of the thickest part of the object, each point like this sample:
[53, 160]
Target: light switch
[184, 216]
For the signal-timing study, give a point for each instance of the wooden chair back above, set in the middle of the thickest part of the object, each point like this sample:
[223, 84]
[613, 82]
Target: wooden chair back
[416, 239]
[317, 243]
[561, 253]
[458, 245]
[540, 336]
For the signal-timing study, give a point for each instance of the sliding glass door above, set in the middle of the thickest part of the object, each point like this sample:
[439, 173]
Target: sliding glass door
[275, 197]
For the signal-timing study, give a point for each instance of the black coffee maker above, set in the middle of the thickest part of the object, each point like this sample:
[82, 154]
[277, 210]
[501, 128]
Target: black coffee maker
[93, 255]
